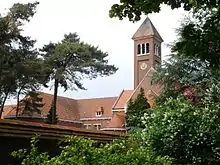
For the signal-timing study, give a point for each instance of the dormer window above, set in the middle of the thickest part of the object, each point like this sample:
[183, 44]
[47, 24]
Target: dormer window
[100, 112]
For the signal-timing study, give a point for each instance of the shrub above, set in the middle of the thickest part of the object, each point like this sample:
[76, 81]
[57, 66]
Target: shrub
[80, 151]
[187, 132]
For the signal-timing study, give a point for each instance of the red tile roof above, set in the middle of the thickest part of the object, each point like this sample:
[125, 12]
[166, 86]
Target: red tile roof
[66, 107]
[70, 109]
[7, 110]
[89, 107]
[117, 121]
[122, 99]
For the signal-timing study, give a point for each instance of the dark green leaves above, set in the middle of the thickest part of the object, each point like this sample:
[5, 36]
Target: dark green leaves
[133, 9]
[136, 109]
[20, 67]
[81, 151]
[186, 132]
[70, 61]
[73, 60]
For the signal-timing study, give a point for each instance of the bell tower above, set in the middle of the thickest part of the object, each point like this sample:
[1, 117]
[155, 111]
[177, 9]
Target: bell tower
[147, 50]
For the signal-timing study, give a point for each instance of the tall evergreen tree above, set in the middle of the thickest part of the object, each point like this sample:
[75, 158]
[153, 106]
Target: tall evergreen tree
[72, 60]
[136, 110]
[16, 51]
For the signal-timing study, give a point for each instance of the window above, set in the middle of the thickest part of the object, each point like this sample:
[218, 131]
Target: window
[159, 51]
[88, 126]
[99, 113]
[143, 49]
[147, 48]
[156, 50]
[139, 49]
[97, 126]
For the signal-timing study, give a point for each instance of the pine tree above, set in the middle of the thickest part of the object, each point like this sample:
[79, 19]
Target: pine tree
[136, 110]
[72, 60]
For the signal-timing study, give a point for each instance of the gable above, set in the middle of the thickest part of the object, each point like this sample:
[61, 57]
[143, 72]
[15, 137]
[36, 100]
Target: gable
[151, 90]
[122, 99]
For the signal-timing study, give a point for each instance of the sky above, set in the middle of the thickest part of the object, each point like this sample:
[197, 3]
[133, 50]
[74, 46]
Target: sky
[90, 19]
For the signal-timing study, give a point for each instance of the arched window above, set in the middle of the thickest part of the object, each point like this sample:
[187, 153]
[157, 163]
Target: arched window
[147, 47]
[143, 49]
[138, 49]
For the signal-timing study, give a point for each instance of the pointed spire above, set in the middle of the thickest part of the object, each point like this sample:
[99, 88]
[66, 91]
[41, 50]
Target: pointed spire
[147, 29]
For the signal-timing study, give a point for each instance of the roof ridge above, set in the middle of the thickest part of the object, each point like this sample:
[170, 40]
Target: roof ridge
[118, 98]
[151, 68]
[57, 95]
[147, 26]
[97, 98]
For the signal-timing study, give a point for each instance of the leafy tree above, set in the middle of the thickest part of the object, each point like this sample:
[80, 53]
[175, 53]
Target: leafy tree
[178, 74]
[136, 110]
[15, 48]
[72, 60]
[81, 151]
[134, 9]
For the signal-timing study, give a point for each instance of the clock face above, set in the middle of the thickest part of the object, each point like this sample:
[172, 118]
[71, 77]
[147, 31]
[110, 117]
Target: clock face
[143, 66]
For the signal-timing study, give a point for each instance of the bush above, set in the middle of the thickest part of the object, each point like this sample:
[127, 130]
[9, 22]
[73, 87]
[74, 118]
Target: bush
[187, 132]
[80, 151]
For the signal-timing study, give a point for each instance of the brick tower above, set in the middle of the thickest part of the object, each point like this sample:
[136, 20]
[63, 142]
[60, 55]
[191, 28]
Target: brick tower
[147, 50]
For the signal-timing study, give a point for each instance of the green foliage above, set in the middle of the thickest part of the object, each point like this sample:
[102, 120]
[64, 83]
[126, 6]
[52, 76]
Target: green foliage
[31, 156]
[136, 110]
[199, 38]
[195, 56]
[134, 9]
[184, 131]
[180, 73]
[81, 151]
[19, 63]
[71, 61]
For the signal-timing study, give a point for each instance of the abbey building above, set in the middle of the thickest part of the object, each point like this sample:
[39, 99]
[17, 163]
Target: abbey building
[107, 113]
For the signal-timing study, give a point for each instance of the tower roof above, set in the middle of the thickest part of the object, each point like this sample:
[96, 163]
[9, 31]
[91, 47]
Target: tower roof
[147, 29]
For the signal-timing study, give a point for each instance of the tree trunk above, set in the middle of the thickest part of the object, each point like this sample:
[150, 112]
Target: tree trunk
[54, 102]
[3, 104]
[18, 99]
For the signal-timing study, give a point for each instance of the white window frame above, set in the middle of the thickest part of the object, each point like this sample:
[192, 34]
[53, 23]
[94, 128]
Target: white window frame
[99, 113]
[145, 45]
[156, 50]
[88, 126]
